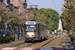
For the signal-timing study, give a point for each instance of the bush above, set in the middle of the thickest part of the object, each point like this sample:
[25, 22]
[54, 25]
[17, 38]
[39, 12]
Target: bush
[8, 38]
[71, 37]
[12, 38]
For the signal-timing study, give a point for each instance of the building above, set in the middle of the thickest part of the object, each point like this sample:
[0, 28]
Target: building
[16, 4]
[30, 9]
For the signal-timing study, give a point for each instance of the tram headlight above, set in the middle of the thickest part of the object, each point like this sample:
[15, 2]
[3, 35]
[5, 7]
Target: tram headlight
[30, 33]
[34, 22]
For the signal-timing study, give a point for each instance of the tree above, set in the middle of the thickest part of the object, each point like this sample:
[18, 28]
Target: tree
[68, 16]
[38, 17]
[53, 17]
[6, 15]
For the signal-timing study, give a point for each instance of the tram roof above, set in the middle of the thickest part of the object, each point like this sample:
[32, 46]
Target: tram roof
[37, 22]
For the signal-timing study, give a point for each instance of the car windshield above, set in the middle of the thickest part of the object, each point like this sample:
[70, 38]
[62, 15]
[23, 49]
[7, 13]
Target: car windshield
[30, 28]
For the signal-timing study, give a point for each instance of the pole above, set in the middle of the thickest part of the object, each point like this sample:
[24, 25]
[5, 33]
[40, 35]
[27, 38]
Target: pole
[34, 16]
[35, 9]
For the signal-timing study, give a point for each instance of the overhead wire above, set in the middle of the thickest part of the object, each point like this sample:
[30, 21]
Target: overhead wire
[54, 5]
[33, 4]
[29, 2]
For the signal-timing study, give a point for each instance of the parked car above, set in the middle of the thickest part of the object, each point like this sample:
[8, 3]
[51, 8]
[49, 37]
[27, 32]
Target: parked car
[5, 33]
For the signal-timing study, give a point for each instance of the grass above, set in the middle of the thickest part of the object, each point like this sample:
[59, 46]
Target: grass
[3, 46]
[12, 45]
[53, 47]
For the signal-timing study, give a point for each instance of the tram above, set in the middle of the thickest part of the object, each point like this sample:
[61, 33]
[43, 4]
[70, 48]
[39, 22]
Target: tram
[34, 30]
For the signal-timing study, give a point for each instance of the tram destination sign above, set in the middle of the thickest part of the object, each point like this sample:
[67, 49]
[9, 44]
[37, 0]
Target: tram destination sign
[30, 22]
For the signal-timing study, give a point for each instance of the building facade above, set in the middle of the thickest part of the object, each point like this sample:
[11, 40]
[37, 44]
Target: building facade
[17, 4]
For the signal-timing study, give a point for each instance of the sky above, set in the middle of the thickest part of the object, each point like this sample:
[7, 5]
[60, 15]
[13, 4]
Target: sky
[54, 4]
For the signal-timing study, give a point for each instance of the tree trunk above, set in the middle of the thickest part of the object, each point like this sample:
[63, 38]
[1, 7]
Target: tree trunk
[23, 31]
[1, 36]
[73, 34]
[13, 30]
[73, 31]
[1, 28]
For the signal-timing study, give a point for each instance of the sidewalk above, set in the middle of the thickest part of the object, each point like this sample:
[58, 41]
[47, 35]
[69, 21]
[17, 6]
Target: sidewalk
[68, 45]
[68, 42]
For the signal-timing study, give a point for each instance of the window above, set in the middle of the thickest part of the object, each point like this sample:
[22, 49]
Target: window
[30, 28]
[1, 0]
[8, 1]
[24, 0]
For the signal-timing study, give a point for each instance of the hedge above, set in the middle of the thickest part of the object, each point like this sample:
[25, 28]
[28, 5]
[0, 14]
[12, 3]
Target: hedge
[8, 38]
[12, 38]
[71, 37]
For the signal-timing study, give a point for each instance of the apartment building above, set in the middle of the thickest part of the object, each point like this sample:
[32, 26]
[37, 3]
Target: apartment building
[17, 4]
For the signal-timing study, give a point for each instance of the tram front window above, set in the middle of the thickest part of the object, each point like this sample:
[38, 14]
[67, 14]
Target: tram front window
[30, 28]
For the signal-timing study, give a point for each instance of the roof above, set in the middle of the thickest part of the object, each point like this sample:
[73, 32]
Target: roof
[30, 9]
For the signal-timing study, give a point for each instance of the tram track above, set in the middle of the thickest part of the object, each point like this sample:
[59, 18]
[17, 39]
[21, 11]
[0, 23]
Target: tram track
[24, 44]
[37, 45]
[53, 43]
[48, 43]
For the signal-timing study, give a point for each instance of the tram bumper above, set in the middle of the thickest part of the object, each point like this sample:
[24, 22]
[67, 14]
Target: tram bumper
[31, 38]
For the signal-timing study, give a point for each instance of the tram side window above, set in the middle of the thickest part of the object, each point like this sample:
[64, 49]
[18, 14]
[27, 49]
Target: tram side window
[41, 28]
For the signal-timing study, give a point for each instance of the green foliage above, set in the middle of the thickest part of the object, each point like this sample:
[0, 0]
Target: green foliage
[53, 18]
[71, 37]
[11, 17]
[12, 38]
[8, 38]
[38, 17]
[68, 14]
